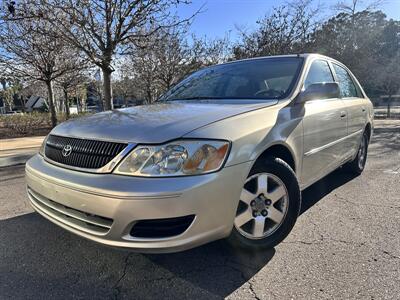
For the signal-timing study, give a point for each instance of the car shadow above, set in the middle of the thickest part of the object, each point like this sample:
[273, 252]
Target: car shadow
[323, 187]
[216, 269]
[40, 260]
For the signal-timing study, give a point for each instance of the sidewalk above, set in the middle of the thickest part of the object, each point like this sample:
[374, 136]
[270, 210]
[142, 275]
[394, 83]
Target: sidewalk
[19, 150]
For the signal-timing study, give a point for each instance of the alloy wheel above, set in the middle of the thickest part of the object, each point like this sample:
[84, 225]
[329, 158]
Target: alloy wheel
[262, 207]
[362, 152]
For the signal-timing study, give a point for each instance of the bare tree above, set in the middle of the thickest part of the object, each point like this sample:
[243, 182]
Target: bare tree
[387, 79]
[156, 62]
[163, 59]
[8, 92]
[171, 51]
[102, 28]
[206, 52]
[145, 68]
[30, 50]
[69, 83]
[351, 7]
[9, 85]
[125, 85]
[285, 30]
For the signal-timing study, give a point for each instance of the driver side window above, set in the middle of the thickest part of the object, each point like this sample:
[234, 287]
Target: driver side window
[318, 72]
[238, 86]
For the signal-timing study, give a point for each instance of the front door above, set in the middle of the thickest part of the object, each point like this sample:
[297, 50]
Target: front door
[325, 128]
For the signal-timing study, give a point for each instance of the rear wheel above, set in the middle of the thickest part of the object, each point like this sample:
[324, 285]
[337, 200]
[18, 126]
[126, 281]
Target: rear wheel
[268, 207]
[358, 164]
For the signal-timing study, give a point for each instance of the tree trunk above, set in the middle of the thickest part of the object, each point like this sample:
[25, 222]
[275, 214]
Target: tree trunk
[10, 105]
[78, 102]
[66, 104]
[107, 90]
[23, 103]
[52, 109]
[60, 105]
[126, 100]
[149, 96]
[388, 106]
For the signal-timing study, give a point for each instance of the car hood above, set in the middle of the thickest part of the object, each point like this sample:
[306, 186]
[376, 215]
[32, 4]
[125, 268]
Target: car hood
[155, 123]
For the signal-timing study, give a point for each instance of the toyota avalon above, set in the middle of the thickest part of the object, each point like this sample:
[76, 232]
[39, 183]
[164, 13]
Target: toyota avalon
[225, 153]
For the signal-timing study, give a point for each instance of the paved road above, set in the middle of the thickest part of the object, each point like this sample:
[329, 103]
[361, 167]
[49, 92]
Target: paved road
[346, 244]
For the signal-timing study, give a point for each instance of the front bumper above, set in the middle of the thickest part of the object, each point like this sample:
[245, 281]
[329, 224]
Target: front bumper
[115, 203]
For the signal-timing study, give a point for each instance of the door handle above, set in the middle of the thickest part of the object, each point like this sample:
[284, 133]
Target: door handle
[363, 109]
[343, 114]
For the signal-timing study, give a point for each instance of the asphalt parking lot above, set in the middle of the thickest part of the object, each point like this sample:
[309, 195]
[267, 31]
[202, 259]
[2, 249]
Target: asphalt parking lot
[346, 244]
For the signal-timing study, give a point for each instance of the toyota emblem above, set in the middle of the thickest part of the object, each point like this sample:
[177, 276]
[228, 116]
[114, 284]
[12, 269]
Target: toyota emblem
[66, 151]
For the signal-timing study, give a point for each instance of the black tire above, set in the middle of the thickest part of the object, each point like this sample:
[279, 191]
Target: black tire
[355, 166]
[285, 173]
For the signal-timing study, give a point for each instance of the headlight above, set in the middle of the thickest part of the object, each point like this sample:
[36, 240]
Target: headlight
[180, 158]
[43, 146]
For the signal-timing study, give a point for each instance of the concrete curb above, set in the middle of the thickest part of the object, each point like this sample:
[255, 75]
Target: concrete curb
[17, 151]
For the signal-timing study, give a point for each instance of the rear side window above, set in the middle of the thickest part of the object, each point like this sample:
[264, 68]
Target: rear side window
[346, 84]
[319, 72]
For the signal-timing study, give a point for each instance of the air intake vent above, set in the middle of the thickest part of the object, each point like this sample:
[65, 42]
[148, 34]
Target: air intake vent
[81, 153]
[161, 228]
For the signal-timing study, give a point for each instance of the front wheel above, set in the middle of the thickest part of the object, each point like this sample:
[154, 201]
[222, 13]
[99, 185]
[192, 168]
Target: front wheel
[268, 207]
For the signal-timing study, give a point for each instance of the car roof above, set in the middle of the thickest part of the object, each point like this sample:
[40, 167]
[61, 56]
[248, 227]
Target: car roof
[303, 55]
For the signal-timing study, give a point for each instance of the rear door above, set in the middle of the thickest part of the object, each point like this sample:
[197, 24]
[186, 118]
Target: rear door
[356, 111]
[325, 127]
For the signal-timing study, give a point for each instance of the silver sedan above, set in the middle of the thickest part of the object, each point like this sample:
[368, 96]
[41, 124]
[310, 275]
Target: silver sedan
[224, 154]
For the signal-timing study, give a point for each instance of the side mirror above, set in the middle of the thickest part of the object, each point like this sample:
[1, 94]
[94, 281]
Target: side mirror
[319, 91]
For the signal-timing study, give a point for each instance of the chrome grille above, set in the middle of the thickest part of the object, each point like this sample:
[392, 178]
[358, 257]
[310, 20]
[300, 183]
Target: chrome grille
[77, 219]
[87, 154]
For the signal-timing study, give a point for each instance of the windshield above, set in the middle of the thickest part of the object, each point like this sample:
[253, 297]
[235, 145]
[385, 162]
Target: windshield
[266, 78]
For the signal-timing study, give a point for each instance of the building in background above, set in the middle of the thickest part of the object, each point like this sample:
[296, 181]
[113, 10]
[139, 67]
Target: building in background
[35, 103]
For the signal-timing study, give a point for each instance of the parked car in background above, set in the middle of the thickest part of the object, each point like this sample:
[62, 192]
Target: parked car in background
[224, 154]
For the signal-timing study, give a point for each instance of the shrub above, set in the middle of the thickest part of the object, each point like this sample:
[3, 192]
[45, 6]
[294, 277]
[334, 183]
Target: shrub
[25, 123]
